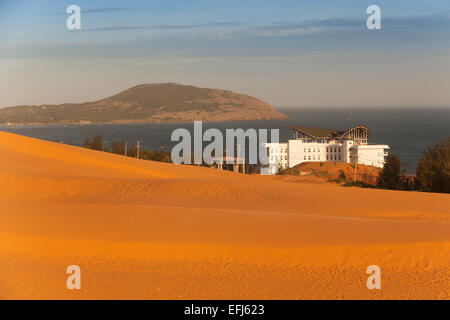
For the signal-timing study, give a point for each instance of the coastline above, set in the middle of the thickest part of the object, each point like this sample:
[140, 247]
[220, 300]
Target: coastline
[184, 232]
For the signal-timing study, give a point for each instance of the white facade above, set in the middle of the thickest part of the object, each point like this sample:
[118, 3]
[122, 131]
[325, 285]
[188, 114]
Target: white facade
[345, 147]
[370, 155]
[278, 157]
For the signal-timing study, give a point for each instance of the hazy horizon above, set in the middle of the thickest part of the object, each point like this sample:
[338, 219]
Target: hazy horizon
[289, 53]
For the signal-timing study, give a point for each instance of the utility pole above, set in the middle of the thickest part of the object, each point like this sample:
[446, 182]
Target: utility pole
[103, 145]
[138, 147]
[126, 147]
[238, 156]
[241, 161]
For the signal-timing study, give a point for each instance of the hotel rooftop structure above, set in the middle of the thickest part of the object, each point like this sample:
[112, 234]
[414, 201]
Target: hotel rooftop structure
[325, 145]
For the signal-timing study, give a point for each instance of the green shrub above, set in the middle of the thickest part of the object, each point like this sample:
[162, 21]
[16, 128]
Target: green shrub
[390, 176]
[433, 170]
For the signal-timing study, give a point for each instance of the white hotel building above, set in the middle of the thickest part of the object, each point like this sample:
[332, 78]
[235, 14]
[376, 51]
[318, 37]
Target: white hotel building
[321, 145]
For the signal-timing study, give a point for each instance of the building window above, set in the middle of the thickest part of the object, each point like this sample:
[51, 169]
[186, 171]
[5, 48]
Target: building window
[304, 158]
[339, 157]
[335, 150]
[309, 150]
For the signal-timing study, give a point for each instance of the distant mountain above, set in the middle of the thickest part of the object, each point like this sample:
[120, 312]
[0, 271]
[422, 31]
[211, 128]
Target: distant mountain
[167, 102]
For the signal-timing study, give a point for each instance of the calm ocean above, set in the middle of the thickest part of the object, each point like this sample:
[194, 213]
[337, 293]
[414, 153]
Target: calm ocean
[407, 131]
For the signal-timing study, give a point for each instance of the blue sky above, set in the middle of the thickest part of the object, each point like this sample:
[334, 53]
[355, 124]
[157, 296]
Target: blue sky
[289, 53]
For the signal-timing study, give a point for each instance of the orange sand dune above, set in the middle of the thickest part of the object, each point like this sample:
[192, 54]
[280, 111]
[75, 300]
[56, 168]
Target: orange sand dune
[147, 230]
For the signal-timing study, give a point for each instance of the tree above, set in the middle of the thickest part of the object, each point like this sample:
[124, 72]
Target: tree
[160, 155]
[132, 151]
[118, 147]
[407, 181]
[433, 170]
[95, 144]
[148, 154]
[390, 177]
[87, 142]
[342, 175]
